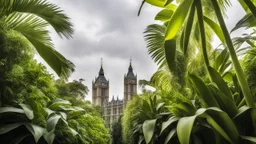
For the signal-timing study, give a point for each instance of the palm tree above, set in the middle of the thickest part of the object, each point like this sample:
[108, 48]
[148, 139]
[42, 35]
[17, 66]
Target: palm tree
[30, 19]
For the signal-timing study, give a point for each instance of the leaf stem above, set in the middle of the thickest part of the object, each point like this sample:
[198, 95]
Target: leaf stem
[202, 31]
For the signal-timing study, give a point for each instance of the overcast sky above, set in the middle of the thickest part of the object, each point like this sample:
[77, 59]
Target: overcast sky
[110, 29]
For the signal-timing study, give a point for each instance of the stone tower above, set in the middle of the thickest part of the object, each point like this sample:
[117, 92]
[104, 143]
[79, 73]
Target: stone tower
[100, 89]
[130, 85]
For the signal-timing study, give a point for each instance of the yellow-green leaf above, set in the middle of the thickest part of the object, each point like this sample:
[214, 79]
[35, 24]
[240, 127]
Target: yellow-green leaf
[177, 19]
[184, 129]
[161, 3]
[164, 15]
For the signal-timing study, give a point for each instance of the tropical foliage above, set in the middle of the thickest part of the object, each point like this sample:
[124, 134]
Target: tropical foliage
[28, 19]
[218, 96]
[33, 107]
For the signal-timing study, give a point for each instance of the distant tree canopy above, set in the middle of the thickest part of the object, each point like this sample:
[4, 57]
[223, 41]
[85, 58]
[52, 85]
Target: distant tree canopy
[75, 89]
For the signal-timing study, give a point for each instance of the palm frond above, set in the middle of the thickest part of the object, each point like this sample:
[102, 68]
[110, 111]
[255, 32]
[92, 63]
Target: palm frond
[33, 28]
[154, 37]
[51, 13]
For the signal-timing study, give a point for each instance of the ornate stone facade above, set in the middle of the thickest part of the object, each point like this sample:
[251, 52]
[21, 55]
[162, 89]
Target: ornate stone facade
[100, 95]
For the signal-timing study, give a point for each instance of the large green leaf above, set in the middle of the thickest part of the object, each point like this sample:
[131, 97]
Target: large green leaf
[11, 109]
[49, 137]
[203, 91]
[223, 124]
[222, 85]
[28, 111]
[169, 136]
[159, 107]
[8, 127]
[184, 128]
[164, 15]
[226, 103]
[52, 121]
[216, 28]
[59, 102]
[249, 138]
[149, 129]
[188, 108]
[219, 129]
[49, 112]
[221, 60]
[167, 123]
[35, 130]
[241, 111]
[54, 59]
[177, 19]
[170, 53]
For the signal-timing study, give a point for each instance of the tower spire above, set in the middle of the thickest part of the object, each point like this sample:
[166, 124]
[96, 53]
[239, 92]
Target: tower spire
[101, 62]
[101, 72]
[130, 67]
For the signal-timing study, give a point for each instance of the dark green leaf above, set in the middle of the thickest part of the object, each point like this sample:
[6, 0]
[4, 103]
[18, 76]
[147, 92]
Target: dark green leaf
[188, 28]
[222, 85]
[226, 103]
[8, 127]
[251, 7]
[169, 136]
[223, 124]
[167, 2]
[203, 91]
[167, 123]
[142, 3]
[247, 21]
